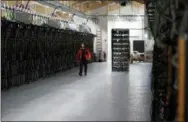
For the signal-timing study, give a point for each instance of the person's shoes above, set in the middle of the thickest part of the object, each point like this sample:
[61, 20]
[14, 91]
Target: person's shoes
[85, 74]
[80, 74]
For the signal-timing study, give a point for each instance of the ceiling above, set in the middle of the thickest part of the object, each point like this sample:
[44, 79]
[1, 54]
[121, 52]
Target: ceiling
[90, 5]
[83, 6]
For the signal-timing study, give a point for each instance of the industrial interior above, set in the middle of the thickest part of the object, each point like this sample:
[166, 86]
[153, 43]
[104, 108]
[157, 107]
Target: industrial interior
[97, 60]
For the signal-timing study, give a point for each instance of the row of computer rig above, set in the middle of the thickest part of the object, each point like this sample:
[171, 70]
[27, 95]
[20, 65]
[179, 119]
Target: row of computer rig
[168, 25]
[30, 52]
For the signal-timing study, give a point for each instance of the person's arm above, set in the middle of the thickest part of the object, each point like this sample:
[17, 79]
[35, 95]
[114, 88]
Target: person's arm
[88, 54]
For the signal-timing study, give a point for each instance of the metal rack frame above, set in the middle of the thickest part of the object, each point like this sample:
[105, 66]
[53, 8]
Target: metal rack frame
[121, 46]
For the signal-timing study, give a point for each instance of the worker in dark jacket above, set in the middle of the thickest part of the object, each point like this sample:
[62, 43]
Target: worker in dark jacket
[83, 56]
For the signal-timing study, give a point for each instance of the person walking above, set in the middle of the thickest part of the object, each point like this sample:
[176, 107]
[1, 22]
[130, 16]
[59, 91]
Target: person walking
[83, 56]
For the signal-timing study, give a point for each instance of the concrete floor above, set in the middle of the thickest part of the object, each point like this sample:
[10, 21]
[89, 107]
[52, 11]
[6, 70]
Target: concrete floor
[100, 96]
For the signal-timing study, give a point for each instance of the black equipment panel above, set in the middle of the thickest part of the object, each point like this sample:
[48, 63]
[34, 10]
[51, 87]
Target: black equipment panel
[120, 49]
[139, 45]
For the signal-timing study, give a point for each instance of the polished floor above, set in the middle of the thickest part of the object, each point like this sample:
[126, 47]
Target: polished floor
[100, 96]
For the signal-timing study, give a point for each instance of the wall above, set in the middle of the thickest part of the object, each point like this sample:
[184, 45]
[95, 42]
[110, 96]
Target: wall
[104, 35]
[102, 25]
[106, 24]
[123, 23]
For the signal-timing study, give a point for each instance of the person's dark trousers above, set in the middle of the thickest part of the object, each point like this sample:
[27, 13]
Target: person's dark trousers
[83, 64]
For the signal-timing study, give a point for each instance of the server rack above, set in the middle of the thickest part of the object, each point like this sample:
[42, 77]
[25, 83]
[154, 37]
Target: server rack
[120, 49]
[31, 52]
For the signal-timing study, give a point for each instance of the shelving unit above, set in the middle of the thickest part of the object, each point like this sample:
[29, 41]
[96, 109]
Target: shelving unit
[99, 44]
[120, 49]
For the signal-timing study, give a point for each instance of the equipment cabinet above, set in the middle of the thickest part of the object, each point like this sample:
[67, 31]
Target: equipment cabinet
[120, 49]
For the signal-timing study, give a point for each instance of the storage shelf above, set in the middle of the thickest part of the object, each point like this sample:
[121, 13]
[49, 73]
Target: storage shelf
[120, 49]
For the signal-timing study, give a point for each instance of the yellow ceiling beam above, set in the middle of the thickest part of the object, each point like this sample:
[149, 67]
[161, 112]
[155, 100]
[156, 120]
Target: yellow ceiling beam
[116, 6]
[12, 3]
[113, 7]
[96, 5]
[49, 10]
[86, 5]
[78, 2]
[62, 15]
[40, 9]
[68, 2]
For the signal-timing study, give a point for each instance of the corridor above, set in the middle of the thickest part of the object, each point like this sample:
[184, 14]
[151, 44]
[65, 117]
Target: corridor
[100, 96]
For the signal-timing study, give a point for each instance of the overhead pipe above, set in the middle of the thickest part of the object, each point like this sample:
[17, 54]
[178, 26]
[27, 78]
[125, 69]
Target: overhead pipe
[71, 18]
[55, 9]
[53, 13]
[27, 4]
